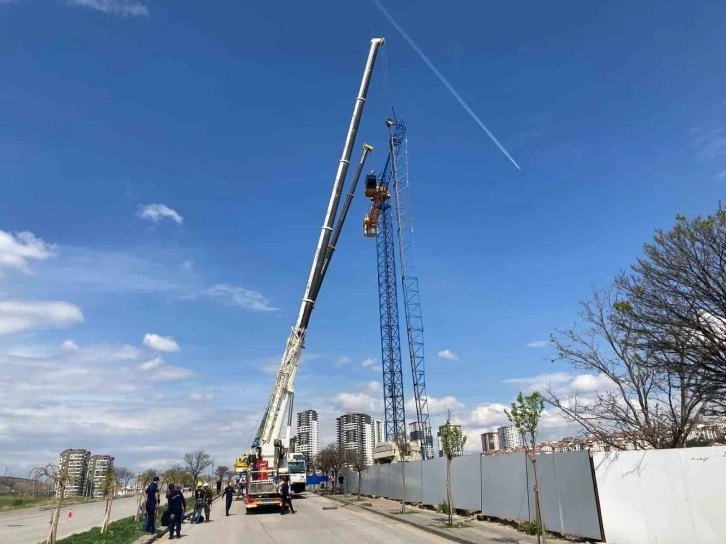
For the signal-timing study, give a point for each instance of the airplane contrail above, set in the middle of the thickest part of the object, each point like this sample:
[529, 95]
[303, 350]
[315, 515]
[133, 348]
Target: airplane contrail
[443, 80]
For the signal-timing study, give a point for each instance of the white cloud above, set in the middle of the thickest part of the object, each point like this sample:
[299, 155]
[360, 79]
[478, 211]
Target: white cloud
[369, 362]
[230, 295]
[197, 397]
[359, 402]
[542, 381]
[123, 8]
[100, 398]
[342, 361]
[22, 315]
[440, 406]
[539, 344]
[153, 364]
[188, 264]
[160, 343]
[16, 250]
[448, 354]
[488, 415]
[69, 345]
[157, 212]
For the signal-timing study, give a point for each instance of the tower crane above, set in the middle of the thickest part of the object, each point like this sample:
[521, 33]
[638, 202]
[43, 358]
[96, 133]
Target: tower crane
[379, 224]
[269, 450]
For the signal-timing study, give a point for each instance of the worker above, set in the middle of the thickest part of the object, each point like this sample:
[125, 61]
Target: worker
[285, 492]
[198, 503]
[341, 479]
[208, 498]
[219, 486]
[151, 505]
[176, 508]
[228, 496]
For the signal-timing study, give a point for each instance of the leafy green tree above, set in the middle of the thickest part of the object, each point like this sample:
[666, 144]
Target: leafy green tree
[525, 415]
[452, 444]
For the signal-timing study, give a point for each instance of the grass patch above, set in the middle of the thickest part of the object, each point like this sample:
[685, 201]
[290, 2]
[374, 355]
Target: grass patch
[123, 531]
[10, 503]
[399, 513]
[366, 504]
[529, 527]
[455, 525]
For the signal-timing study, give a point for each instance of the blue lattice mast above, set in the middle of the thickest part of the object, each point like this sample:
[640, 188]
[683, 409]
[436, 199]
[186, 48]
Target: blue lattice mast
[379, 223]
[409, 279]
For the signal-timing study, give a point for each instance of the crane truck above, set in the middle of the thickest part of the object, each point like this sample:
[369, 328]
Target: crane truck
[268, 458]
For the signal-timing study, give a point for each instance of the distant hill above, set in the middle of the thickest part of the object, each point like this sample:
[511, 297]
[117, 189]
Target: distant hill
[20, 486]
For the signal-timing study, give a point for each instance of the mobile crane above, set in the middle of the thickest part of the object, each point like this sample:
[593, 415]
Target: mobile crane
[267, 458]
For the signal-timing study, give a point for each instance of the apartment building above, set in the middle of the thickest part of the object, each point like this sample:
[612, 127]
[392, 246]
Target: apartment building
[421, 436]
[356, 432]
[490, 441]
[307, 436]
[98, 468]
[379, 432]
[75, 461]
[509, 438]
[438, 440]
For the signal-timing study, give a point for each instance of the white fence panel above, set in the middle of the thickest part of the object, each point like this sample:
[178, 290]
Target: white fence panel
[504, 484]
[414, 489]
[662, 496]
[576, 494]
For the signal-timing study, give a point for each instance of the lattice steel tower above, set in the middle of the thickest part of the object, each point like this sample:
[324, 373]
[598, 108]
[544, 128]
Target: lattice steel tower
[379, 223]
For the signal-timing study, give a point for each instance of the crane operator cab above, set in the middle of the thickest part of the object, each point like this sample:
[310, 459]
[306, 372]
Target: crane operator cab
[371, 184]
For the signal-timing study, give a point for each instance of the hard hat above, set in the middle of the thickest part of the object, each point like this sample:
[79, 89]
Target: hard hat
[199, 484]
[206, 484]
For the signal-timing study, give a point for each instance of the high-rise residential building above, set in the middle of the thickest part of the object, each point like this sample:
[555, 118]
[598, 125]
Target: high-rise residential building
[379, 435]
[490, 441]
[440, 446]
[423, 438]
[293, 443]
[509, 437]
[98, 469]
[307, 437]
[356, 433]
[75, 461]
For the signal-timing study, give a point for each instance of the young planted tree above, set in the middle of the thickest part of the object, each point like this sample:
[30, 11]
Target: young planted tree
[60, 478]
[143, 479]
[452, 444]
[635, 397]
[356, 461]
[195, 462]
[404, 450]
[525, 415]
[110, 484]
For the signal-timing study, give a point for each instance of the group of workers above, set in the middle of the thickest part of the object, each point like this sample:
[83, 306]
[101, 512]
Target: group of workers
[203, 497]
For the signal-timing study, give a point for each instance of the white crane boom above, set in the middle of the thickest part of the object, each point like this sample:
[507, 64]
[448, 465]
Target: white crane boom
[271, 425]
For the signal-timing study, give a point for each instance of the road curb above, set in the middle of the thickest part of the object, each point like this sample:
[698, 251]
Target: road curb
[400, 519]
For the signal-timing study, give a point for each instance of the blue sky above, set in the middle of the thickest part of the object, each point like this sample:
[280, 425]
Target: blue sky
[233, 118]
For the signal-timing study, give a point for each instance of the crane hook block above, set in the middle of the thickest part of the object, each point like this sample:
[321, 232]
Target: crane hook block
[371, 183]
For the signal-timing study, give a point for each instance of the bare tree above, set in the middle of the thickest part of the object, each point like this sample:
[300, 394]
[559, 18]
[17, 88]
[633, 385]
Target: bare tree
[635, 399]
[404, 449]
[222, 472]
[196, 461]
[525, 416]
[60, 478]
[356, 461]
[452, 444]
[330, 460]
[676, 301]
[124, 476]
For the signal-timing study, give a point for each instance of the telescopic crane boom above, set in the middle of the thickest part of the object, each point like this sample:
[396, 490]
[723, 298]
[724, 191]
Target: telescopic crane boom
[271, 425]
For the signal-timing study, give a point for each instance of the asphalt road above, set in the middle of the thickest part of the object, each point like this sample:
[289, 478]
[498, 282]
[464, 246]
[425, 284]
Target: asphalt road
[310, 525]
[31, 525]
